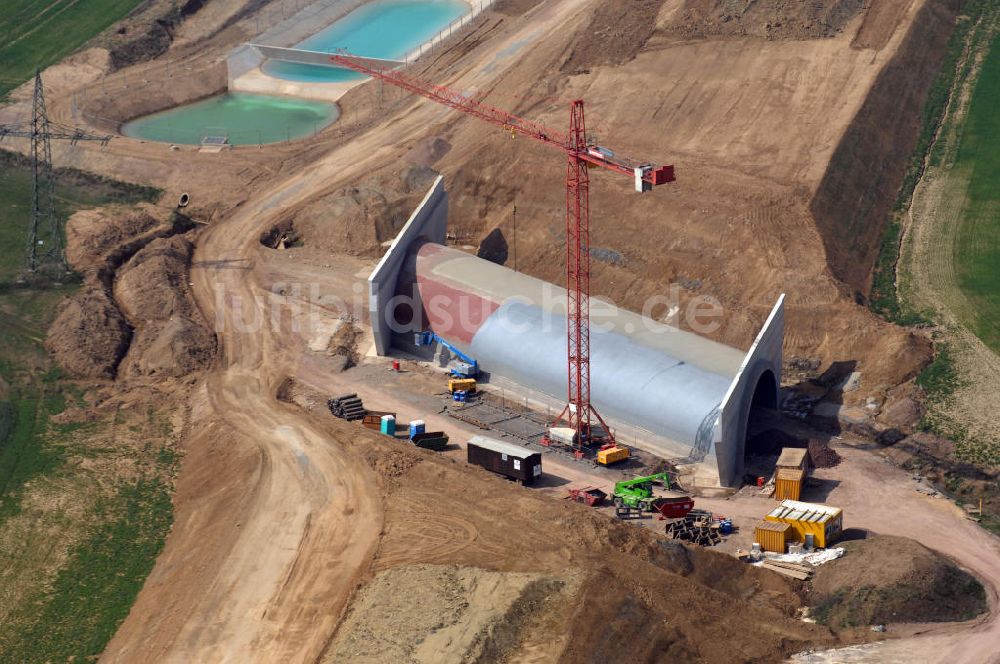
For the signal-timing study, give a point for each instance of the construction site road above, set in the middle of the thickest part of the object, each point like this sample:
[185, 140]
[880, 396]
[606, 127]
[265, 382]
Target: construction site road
[306, 520]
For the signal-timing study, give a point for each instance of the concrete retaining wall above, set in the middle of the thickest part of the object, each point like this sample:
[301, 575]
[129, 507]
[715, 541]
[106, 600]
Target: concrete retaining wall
[243, 60]
[764, 356]
[429, 222]
[307, 22]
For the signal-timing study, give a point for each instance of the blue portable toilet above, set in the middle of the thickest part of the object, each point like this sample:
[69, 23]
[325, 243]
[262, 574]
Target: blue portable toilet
[388, 425]
[417, 427]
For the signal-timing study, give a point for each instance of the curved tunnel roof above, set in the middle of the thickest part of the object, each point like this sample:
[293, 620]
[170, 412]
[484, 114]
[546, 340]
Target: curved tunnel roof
[643, 372]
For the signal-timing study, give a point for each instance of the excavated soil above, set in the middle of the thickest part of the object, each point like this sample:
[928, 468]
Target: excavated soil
[172, 338]
[92, 235]
[135, 315]
[885, 580]
[435, 613]
[821, 455]
[618, 31]
[769, 19]
[89, 335]
[660, 600]
[356, 220]
[344, 343]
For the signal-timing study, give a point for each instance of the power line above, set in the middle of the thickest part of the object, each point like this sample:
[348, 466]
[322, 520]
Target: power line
[44, 249]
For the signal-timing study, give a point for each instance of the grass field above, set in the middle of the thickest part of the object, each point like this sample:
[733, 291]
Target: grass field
[977, 250]
[84, 505]
[955, 67]
[948, 270]
[38, 33]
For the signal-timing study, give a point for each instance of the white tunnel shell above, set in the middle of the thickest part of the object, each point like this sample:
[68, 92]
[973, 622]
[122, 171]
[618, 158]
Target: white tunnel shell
[651, 375]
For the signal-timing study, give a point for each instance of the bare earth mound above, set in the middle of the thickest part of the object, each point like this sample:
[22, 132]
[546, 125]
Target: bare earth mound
[893, 580]
[433, 613]
[623, 593]
[171, 336]
[93, 234]
[89, 336]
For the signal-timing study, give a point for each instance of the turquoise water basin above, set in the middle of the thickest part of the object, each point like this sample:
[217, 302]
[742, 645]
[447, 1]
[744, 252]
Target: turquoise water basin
[380, 29]
[243, 118]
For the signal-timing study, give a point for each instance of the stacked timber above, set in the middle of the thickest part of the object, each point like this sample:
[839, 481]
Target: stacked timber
[792, 570]
[347, 407]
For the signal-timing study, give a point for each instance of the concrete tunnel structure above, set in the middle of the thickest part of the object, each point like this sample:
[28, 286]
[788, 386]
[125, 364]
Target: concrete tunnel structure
[692, 394]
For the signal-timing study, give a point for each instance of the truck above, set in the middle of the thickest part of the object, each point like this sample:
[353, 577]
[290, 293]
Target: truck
[507, 459]
[638, 492]
[465, 368]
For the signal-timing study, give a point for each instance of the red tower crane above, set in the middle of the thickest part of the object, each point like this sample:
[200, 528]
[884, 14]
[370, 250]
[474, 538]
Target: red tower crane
[579, 414]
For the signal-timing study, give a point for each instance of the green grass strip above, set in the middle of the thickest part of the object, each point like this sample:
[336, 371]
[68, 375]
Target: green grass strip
[884, 298]
[24, 454]
[977, 251]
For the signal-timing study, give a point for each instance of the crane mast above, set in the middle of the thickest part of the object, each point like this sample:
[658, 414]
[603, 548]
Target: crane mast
[582, 155]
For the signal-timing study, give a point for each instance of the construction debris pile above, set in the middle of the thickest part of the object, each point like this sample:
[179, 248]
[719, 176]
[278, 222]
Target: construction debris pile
[347, 407]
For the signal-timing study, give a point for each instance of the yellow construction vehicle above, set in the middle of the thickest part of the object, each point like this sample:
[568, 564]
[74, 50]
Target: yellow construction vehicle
[462, 385]
[612, 454]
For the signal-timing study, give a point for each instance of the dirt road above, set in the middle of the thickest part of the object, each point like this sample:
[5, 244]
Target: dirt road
[275, 522]
[879, 497]
[275, 586]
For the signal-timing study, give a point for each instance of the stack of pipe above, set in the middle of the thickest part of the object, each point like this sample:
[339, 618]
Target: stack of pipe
[347, 407]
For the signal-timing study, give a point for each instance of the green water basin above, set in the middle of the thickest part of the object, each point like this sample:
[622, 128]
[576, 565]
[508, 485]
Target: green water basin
[242, 118]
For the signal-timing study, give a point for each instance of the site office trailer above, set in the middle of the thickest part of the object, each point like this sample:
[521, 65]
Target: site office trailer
[505, 459]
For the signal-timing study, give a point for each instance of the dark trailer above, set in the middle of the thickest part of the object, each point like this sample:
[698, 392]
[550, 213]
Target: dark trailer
[505, 459]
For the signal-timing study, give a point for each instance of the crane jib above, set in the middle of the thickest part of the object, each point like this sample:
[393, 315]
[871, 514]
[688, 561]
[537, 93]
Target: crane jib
[579, 413]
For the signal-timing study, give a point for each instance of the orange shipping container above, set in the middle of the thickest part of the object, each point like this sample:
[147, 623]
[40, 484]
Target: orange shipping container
[771, 535]
[788, 483]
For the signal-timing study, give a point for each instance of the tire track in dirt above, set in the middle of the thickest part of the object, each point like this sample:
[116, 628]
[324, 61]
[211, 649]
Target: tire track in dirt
[430, 536]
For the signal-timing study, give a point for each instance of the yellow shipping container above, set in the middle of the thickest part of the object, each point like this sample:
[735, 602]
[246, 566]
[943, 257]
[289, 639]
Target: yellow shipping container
[612, 455]
[788, 483]
[771, 536]
[823, 522]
